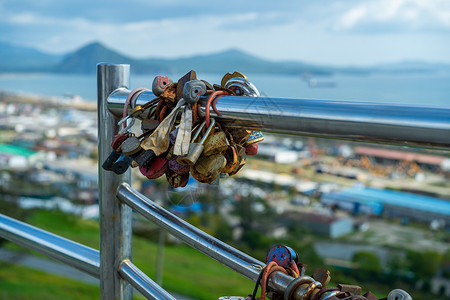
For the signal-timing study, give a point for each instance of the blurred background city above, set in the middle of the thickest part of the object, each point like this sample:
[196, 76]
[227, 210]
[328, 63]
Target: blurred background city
[376, 215]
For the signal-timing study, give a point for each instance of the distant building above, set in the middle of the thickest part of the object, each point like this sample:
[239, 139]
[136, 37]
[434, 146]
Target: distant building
[15, 157]
[390, 203]
[329, 226]
[426, 161]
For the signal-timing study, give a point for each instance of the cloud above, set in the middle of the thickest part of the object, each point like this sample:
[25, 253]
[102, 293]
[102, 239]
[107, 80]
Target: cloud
[387, 16]
[293, 30]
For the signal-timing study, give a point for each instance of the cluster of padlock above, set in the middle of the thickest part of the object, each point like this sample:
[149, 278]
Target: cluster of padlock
[284, 259]
[177, 139]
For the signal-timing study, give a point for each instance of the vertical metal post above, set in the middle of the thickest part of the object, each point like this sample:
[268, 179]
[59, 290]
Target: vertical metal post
[115, 218]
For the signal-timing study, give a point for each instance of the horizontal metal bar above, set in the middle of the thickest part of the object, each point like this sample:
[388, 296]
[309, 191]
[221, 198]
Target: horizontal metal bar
[359, 121]
[142, 282]
[69, 252]
[194, 237]
[214, 248]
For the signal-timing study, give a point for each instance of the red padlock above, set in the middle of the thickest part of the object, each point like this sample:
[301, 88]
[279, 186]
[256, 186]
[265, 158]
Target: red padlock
[251, 149]
[156, 169]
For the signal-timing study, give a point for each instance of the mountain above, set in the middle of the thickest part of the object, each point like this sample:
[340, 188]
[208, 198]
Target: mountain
[234, 59]
[24, 59]
[84, 60]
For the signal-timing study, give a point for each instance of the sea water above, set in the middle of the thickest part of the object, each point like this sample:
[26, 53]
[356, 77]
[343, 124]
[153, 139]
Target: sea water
[415, 89]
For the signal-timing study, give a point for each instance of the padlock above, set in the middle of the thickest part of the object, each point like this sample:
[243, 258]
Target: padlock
[215, 143]
[238, 167]
[196, 149]
[169, 95]
[115, 154]
[228, 76]
[173, 135]
[208, 85]
[242, 87]
[209, 165]
[131, 146]
[177, 180]
[122, 164]
[160, 83]
[118, 140]
[144, 158]
[240, 135]
[255, 137]
[193, 90]
[232, 159]
[201, 178]
[284, 256]
[176, 167]
[149, 125]
[240, 158]
[251, 149]
[110, 160]
[156, 169]
[191, 75]
[398, 294]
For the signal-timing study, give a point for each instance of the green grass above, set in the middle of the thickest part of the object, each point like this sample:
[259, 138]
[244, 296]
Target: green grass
[186, 271]
[19, 283]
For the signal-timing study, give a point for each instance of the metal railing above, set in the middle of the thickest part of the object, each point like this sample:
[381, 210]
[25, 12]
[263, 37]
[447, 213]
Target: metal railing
[396, 124]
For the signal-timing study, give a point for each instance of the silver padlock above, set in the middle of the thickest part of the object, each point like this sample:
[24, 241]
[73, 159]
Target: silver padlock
[398, 294]
[196, 149]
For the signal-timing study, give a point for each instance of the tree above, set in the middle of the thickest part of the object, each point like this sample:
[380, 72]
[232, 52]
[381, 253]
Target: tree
[424, 264]
[368, 264]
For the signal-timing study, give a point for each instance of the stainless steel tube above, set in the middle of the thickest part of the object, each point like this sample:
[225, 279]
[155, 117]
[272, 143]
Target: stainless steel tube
[214, 248]
[115, 218]
[358, 121]
[69, 252]
[142, 282]
[194, 237]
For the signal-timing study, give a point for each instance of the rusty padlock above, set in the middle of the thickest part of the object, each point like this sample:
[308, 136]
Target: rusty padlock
[156, 169]
[240, 135]
[241, 159]
[191, 75]
[210, 165]
[177, 180]
[230, 155]
[201, 178]
[196, 149]
[232, 159]
[216, 143]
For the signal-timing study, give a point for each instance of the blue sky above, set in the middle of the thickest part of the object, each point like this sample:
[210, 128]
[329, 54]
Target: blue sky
[338, 32]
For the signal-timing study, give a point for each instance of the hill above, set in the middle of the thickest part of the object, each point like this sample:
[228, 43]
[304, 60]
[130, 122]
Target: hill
[24, 59]
[84, 60]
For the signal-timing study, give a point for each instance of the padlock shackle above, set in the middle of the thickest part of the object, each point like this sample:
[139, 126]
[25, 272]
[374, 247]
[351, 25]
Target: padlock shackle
[398, 124]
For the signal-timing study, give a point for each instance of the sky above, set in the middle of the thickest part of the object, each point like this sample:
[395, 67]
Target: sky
[338, 32]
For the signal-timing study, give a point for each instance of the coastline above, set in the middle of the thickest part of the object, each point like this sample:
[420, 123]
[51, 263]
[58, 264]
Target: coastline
[75, 101]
